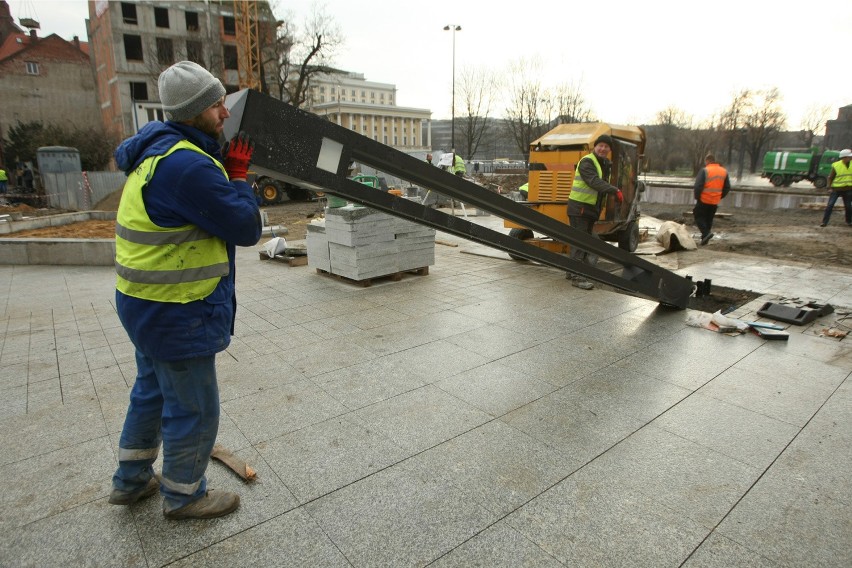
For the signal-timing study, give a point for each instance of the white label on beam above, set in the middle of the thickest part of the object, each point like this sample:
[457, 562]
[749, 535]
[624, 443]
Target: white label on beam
[329, 156]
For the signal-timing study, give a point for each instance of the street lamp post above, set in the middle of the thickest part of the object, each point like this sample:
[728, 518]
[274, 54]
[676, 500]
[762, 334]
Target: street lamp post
[454, 28]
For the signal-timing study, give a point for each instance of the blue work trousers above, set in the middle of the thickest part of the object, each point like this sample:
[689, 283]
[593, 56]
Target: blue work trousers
[846, 196]
[176, 403]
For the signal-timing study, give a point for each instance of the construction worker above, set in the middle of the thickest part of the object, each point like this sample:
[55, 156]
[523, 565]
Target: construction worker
[524, 191]
[184, 209]
[840, 183]
[458, 165]
[4, 180]
[712, 184]
[588, 192]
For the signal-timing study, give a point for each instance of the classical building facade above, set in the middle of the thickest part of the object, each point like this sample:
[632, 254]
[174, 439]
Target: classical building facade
[43, 79]
[369, 108]
[133, 42]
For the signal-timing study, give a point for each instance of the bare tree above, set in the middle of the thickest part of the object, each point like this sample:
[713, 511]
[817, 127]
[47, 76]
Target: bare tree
[664, 144]
[732, 119]
[699, 141]
[763, 122]
[813, 122]
[301, 52]
[476, 88]
[526, 114]
[570, 105]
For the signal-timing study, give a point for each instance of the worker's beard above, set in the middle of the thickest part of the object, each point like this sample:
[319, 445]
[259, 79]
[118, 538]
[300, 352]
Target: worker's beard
[209, 126]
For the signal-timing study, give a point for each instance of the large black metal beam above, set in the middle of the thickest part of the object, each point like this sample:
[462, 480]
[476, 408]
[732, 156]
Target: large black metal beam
[311, 152]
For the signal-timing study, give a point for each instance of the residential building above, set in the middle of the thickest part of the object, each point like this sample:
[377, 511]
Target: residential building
[44, 79]
[369, 108]
[134, 41]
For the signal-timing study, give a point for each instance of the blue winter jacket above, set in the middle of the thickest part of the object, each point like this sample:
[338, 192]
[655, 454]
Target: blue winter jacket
[187, 187]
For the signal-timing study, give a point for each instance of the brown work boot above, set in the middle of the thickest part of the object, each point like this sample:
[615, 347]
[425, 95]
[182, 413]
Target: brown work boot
[117, 497]
[213, 504]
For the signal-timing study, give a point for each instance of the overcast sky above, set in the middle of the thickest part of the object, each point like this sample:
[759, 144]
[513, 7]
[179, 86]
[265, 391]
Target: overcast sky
[631, 59]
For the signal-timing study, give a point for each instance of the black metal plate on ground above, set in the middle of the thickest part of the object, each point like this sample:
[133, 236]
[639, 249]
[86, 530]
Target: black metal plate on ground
[789, 314]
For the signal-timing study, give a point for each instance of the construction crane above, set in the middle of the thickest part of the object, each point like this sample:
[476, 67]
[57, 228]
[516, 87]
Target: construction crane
[248, 43]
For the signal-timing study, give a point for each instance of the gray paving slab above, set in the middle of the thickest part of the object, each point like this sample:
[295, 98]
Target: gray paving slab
[321, 458]
[485, 414]
[291, 539]
[401, 516]
[499, 545]
[585, 521]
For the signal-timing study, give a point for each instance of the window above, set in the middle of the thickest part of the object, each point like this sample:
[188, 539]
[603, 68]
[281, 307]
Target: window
[139, 91]
[161, 17]
[133, 47]
[195, 52]
[229, 25]
[230, 53]
[128, 13]
[191, 21]
[165, 51]
[32, 67]
[155, 114]
[353, 94]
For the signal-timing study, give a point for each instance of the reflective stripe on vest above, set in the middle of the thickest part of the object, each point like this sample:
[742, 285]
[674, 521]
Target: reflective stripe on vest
[164, 264]
[580, 190]
[842, 174]
[714, 182]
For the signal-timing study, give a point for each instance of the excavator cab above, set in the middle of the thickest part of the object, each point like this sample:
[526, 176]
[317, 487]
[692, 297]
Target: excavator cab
[552, 163]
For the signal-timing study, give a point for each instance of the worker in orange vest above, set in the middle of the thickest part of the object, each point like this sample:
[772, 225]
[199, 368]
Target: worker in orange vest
[711, 186]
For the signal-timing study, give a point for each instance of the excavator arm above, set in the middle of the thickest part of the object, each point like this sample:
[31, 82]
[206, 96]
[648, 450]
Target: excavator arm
[310, 152]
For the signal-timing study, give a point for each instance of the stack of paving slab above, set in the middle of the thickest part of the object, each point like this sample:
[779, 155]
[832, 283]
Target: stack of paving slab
[360, 243]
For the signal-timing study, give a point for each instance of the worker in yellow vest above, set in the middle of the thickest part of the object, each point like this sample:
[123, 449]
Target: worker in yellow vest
[184, 209]
[712, 184]
[458, 165]
[840, 183]
[588, 192]
[4, 180]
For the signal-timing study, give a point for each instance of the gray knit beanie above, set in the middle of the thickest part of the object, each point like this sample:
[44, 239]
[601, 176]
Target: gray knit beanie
[187, 89]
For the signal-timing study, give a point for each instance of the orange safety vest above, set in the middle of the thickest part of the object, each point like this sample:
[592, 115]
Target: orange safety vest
[713, 184]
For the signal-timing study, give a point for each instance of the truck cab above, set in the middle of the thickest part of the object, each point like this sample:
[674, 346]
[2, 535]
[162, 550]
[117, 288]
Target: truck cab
[552, 164]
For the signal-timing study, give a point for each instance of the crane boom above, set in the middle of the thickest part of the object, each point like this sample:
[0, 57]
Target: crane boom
[248, 43]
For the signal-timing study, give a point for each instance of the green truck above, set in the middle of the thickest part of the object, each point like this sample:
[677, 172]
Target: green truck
[786, 167]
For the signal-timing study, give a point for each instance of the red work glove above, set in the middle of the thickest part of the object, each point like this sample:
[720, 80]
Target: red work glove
[619, 197]
[236, 155]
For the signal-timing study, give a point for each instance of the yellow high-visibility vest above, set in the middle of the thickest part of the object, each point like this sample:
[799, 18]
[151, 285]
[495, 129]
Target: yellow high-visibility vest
[164, 264]
[580, 190]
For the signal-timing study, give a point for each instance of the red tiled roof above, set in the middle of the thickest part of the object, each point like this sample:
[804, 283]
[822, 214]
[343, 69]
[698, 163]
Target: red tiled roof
[19, 42]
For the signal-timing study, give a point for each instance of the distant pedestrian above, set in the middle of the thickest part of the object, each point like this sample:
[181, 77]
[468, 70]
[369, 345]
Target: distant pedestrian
[28, 178]
[429, 158]
[840, 183]
[712, 184]
[476, 167]
[4, 180]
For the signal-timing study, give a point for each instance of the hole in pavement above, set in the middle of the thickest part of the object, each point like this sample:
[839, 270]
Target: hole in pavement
[722, 298]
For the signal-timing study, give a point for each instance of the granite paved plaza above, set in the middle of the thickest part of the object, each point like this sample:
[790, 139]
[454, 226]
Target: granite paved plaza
[486, 414]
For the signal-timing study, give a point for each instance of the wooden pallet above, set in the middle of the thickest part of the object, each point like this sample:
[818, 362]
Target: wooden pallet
[394, 277]
[300, 260]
